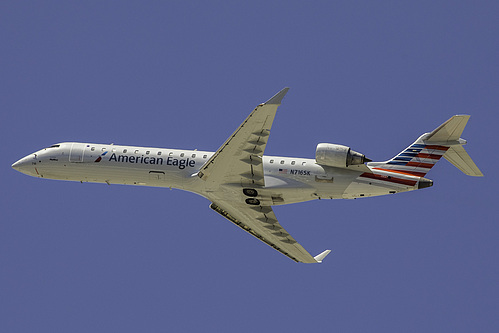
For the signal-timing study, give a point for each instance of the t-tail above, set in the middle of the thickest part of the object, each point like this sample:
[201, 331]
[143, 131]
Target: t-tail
[445, 141]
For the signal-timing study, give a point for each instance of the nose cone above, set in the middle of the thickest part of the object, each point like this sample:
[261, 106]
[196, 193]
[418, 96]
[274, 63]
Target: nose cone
[24, 165]
[18, 165]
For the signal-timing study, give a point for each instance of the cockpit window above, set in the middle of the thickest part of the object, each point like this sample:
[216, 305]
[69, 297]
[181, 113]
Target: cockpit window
[54, 146]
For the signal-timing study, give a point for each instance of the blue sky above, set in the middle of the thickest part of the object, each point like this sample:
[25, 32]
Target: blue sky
[371, 75]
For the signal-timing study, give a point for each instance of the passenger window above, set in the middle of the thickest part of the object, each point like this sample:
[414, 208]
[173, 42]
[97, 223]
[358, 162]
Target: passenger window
[282, 162]
[182, 155]
[159, 153]
[114, 149]
[124, 151]
[303, 163]
[271, 161]
[147, 152]
[292, 162]
[136, 151]
[171, 153]
[103, 149]
[205, 156]
[92, 149]
[193, 155]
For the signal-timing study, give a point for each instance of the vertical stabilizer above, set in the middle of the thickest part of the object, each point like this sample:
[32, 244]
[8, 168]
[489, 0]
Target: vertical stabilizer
[416, 160]
[421, 156]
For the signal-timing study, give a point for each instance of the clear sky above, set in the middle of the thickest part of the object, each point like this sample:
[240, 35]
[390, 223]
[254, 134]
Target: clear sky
[372, 75]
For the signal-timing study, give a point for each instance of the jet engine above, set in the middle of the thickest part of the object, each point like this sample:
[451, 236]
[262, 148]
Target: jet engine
[338, 155]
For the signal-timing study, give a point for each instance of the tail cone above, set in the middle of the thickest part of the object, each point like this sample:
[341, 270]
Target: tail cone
[423, 183]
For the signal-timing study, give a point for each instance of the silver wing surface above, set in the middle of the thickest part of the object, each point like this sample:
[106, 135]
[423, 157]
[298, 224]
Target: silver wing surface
[238, 164]
[239, 159]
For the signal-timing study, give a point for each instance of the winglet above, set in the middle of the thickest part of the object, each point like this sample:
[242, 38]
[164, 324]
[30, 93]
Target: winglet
[277, 98]
[321, 256]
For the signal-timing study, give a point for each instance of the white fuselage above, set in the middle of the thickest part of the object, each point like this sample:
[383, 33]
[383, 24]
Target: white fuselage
[287, 179]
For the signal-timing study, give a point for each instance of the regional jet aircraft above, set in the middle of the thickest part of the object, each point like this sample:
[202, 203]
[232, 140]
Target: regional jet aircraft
[243, 184]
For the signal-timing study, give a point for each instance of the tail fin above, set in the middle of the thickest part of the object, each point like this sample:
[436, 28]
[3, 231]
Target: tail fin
[426, 151]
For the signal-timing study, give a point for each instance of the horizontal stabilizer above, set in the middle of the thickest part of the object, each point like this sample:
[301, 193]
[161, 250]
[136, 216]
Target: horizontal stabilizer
[321, 256]
[277, 98]
[451, 130]
[458, 156]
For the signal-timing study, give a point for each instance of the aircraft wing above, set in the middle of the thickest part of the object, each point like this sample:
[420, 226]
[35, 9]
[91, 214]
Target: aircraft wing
[261, 222]
[239, 159]
[238, 163]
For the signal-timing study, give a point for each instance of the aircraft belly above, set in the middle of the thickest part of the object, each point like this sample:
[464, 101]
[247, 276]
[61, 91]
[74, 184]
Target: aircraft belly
[333, 189]
[363, 188]
[102, 173]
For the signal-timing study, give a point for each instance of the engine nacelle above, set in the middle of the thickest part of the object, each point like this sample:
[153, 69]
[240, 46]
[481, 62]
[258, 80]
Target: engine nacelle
[338, 155]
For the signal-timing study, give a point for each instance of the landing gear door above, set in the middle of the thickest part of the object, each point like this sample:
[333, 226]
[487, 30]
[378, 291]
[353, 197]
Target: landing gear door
[76, 153]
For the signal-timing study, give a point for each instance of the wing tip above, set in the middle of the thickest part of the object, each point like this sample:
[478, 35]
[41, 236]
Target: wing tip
[320, 257]
[277, 98]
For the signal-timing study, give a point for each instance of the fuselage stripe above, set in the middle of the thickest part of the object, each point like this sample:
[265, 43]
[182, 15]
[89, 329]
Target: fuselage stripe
[420, 165]
[389, 179]
[406, 172]
[397, 163]
[443, 148]
[432, 156]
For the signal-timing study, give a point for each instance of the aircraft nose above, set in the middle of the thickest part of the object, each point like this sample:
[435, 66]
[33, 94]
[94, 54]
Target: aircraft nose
[17, 165]
[22, 164]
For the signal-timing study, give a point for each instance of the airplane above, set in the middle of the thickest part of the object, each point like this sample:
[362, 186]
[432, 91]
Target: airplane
[243, 184]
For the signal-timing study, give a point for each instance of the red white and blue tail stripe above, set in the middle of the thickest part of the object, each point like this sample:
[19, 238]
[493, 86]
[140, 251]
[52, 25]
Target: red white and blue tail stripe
[409, 167]
[415, 160]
